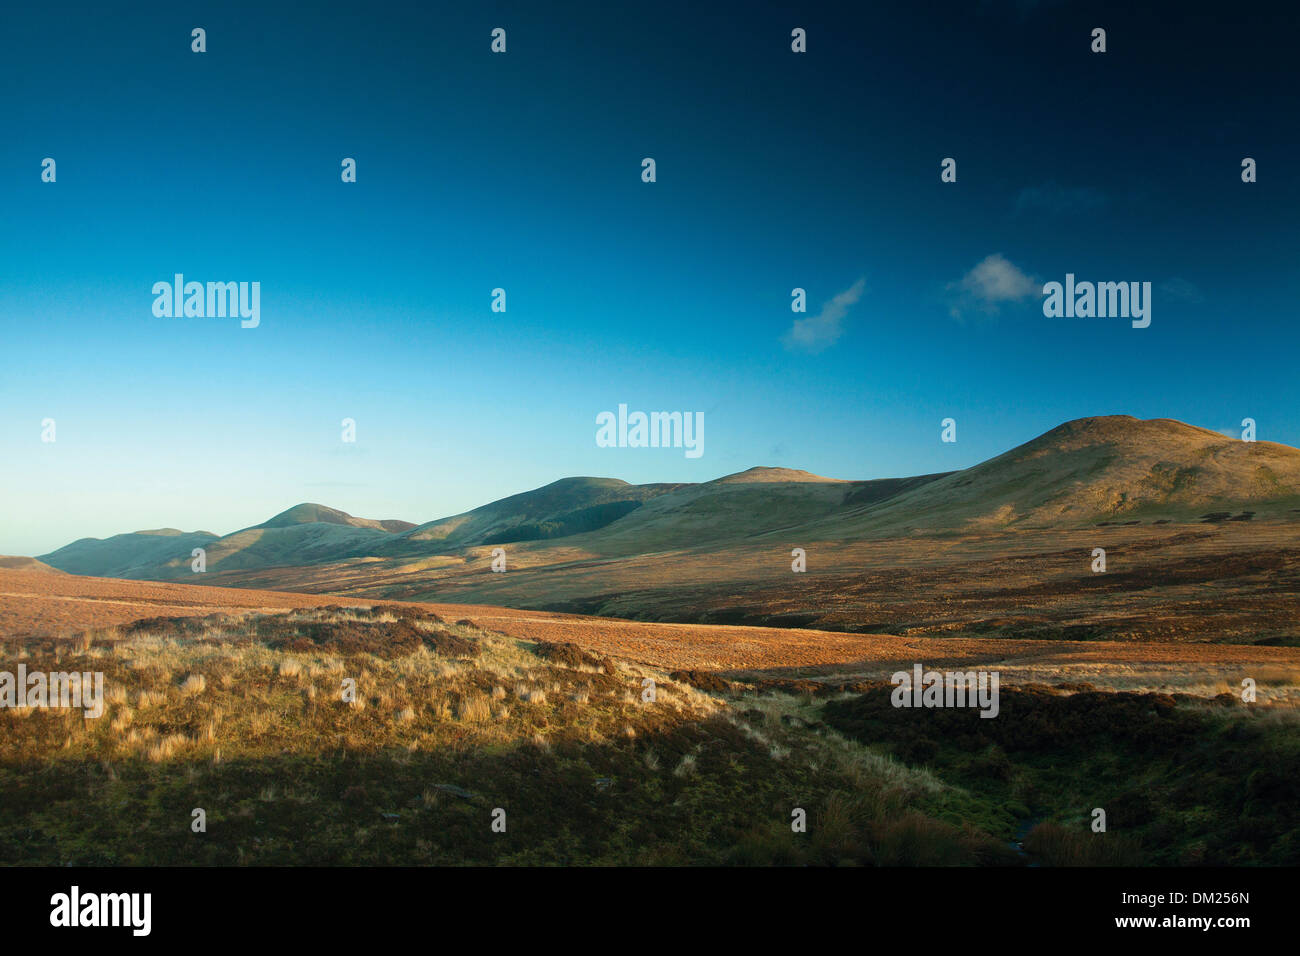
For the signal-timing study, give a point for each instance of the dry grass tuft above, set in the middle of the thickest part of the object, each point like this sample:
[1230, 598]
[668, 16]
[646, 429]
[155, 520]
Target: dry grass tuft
[474, 709]
[194, 684]
[166, 748]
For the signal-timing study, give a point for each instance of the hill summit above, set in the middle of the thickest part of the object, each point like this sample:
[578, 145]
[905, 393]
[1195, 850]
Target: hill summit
[1092, 469]
[311, 513]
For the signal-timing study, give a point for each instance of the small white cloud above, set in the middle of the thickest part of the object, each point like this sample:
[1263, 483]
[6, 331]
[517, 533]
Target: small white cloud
[1058, 200]
[1182, 290]
[994, 281]
[817, 332]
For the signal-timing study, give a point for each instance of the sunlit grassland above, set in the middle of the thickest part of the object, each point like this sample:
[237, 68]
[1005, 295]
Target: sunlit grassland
[452, 726]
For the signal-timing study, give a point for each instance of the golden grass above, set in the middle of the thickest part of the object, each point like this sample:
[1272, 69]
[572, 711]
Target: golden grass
[194, 684]
[225, 696]
[474, 709]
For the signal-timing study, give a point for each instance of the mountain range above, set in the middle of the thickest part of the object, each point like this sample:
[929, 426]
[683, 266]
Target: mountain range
[1084, 473]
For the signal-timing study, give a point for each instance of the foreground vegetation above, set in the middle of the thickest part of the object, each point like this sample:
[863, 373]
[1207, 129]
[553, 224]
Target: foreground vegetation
[1183, 781]
[454, 728]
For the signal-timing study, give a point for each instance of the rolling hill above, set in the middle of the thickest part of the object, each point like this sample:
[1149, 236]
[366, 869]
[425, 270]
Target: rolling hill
[1110, 468]
[137, 554]
[305, 534]
[15, 563]
[309, 513]
[755, 502]
[564, 507]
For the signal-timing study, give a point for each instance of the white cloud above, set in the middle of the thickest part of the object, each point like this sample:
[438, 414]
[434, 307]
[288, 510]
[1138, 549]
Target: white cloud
[817, 332]
[1183, 291]
[994, 281]
[1058, 200]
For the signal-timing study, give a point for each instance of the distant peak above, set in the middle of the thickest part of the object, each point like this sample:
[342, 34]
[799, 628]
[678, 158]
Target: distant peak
[580, 480]
[1116, 429]
[762, 474]
[309, 512]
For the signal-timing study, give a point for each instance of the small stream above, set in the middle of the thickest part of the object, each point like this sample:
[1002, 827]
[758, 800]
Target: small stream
[1018, 841]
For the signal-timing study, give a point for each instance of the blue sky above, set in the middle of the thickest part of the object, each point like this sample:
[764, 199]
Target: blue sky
[522, 171]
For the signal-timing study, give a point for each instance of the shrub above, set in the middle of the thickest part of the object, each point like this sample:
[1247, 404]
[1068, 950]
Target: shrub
[1056, 845]
[702, 680]
[565, 654]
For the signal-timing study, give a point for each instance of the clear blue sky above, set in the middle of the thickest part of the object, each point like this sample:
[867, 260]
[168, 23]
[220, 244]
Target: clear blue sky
[523, 171]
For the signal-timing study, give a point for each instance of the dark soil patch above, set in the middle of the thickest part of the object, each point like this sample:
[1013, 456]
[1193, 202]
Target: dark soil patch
[565, 654]
[402, 612]
[385, 639]
[702, 680]
[187, 626]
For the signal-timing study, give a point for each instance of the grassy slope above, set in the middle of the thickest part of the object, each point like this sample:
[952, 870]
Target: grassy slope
[1094, 469]
[243, 717]
[312, 513]
[18, 563]
[452, 723]
[138, 554]
[556, 503]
